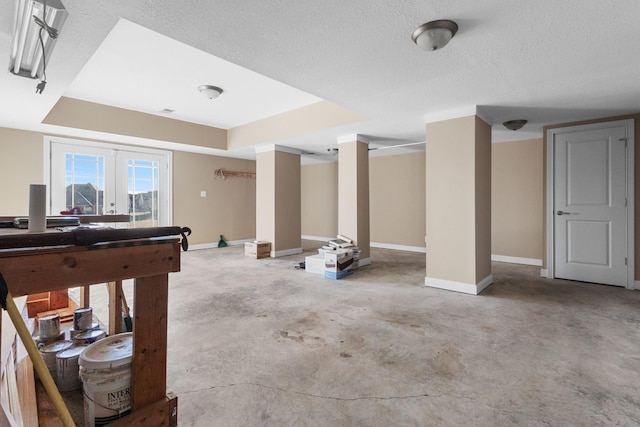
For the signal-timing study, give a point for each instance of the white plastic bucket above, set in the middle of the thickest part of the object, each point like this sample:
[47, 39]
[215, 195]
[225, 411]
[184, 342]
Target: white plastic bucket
[68, 378]
[105, 371]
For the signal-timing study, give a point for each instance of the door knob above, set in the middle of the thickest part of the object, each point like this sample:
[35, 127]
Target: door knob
[564, 213]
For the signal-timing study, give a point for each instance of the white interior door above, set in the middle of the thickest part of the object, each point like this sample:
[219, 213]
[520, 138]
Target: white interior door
[105, 179]
[590, 205]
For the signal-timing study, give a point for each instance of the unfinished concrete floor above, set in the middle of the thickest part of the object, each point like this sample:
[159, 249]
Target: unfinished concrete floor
[259, 343]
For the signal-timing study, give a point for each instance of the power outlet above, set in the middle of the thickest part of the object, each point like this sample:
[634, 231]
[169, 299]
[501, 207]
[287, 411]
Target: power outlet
[203, 194]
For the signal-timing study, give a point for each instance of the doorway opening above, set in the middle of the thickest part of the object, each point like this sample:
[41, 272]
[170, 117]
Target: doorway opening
[104, 179]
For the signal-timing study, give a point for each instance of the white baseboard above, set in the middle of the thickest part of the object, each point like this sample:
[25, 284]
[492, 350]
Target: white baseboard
[286, 252]
[399, 247]
[466, 288]
[373, 244]
[544, 272]
[318, 238]
[215, 245]
[517, 260]
[637, 285]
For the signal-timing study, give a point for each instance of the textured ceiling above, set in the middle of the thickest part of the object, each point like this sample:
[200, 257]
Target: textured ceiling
[548, 62]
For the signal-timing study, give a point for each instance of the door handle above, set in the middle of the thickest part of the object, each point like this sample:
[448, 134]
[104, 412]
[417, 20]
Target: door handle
[564, 213]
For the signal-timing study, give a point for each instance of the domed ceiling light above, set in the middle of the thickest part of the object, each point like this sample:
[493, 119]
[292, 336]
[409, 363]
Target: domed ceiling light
[211, 92]
[434, 35]
[514, 124]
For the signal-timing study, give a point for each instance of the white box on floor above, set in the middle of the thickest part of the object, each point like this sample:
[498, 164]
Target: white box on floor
[340, 260]
[314, 264]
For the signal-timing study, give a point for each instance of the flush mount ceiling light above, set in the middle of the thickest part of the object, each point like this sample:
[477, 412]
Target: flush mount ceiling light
[514, 124]
[434, 35]
[211, 92]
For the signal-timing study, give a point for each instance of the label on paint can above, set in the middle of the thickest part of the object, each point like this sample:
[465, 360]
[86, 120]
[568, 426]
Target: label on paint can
[82, 318]
[49, 353]
[105, 371]
[68, 377]
[49, 326]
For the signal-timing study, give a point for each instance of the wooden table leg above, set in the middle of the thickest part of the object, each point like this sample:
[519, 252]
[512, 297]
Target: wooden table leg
[149, 366]
[115, 307]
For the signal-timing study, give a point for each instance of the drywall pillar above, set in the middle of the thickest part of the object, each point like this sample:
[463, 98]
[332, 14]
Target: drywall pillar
[278, 199]
[458, 198]
[353, 193]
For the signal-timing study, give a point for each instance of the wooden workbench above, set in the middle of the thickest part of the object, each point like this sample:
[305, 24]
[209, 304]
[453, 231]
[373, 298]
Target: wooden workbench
[147, 261]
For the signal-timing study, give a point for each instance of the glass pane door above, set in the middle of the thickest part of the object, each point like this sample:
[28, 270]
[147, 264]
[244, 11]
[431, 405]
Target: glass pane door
[103, 179]
[84, 183]
[80, 182]
[142, 182]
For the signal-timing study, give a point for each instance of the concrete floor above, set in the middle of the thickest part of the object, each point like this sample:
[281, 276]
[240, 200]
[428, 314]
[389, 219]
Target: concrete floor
[259, 343]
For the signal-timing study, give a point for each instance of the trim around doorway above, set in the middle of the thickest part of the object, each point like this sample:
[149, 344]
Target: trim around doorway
[550, 137]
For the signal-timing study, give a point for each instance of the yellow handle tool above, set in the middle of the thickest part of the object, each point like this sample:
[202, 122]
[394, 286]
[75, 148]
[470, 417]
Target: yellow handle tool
[7, 302]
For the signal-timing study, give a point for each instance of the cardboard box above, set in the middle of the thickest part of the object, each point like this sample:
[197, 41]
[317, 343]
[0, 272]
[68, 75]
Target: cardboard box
[46, 301]
[257, 250]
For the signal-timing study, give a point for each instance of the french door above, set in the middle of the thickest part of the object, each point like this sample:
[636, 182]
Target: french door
[104, 179]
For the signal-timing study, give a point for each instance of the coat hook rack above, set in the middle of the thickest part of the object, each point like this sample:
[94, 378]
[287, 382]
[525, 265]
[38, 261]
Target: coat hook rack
[224, 174]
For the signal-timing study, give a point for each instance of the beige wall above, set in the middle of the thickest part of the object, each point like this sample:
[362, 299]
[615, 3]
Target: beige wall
[517, 193]
[79, 114]
[321, 115]
[230, 206]
[265, 196]
[397, 196]
[320, 200]
[278, 200]
[228, 209]
[458, 196]
[288, 205]
[353, 195]
[21, 164]
[636, 118]
[483, 199]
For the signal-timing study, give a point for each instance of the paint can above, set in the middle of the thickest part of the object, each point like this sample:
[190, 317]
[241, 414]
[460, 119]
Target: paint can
[41, 342]
[82, 318]
[49, 326]
[89, 337]
[105, 371]
[68, 378]
[49, 353]
[73, 332]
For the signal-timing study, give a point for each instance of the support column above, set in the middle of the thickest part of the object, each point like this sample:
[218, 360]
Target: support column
[278, 199]
[353, 193]
[458, 211]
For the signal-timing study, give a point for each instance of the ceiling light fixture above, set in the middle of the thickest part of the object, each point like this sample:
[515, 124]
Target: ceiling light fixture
[514, 124]
[37, 24]
[434, 35]
[211, 92]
